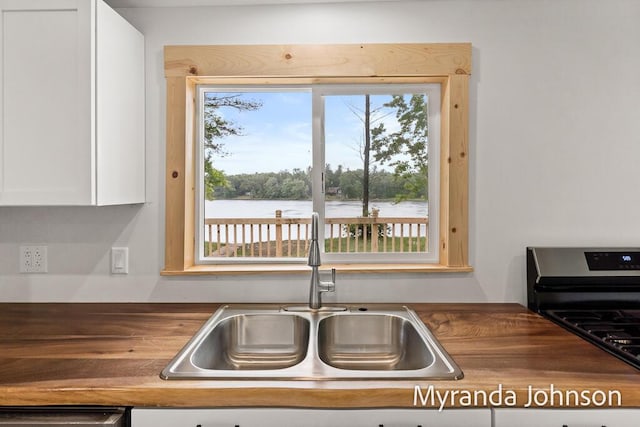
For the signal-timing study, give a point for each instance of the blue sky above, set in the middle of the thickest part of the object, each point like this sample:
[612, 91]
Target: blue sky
[277, 136]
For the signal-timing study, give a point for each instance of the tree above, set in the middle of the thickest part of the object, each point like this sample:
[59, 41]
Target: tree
[295, 189]
[384, 185]
[216, 128]
[351, 184]
[213, 179]
[369, 118]
[332, 178]
[366, 154]
[272, 188]
[406, 149]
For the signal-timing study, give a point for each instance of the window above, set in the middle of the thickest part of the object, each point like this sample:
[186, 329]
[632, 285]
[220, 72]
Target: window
[373, 175]
[254, 176]
[388, 135]
[315, 156]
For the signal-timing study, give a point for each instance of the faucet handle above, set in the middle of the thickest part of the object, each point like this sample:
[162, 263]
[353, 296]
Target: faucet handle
[330, 286]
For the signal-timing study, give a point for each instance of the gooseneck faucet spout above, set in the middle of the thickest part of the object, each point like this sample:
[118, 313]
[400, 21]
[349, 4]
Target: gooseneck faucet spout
[317, 286]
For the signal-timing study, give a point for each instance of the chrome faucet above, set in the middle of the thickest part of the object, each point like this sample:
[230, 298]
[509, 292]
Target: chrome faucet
[317, 286]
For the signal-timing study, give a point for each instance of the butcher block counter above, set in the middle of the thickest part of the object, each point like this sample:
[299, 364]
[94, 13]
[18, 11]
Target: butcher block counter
[112, 354]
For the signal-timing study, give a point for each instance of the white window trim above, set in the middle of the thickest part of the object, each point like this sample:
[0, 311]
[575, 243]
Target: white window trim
[433, 91]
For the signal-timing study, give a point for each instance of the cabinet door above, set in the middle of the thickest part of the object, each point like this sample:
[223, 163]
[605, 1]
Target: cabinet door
[278, 417]
[46, 110]
[120, 148]
[566, 417]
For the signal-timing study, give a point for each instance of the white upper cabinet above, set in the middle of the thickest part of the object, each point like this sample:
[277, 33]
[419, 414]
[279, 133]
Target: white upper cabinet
[72, 110]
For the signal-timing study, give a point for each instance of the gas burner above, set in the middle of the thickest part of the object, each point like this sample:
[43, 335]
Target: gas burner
[622, 341]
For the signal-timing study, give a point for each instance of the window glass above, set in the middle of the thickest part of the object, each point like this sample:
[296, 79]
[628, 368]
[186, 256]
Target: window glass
[365, 158]
[376, 192]
[256, 168]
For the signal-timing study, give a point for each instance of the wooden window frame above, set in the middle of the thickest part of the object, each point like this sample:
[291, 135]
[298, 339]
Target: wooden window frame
[187, 66]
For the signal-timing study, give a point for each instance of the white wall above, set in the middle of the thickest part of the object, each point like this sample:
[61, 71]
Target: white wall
[554, 135]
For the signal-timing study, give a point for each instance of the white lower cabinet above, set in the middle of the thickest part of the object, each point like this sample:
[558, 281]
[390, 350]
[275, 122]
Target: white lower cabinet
[285, 417]
[566, 417]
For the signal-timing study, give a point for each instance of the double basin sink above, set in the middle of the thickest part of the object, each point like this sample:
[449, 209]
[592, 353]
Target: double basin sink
[294, 342]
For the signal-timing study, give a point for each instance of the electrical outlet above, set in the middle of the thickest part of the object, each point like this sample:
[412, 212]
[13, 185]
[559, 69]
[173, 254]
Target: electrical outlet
[26, 256]
[33, 259]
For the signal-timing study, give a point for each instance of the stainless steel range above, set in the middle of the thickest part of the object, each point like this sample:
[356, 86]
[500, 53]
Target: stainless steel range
[593, 292]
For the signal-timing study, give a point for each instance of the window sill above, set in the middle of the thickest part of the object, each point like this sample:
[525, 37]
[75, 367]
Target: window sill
[244, 269]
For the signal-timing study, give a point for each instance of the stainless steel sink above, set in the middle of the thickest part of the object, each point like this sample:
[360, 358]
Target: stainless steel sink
[372, 342]
[287, 342]
[253, 341]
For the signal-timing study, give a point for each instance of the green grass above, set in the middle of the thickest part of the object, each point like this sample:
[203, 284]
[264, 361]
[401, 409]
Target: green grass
[402, 244]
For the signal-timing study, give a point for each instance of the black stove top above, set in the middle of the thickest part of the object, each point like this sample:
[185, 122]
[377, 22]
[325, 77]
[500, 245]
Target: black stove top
[617, 331]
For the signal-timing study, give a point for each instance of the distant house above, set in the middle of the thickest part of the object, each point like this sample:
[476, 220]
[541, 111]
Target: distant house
[332, 191]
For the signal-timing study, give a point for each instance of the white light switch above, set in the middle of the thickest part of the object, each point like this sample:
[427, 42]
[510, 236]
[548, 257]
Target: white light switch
[120, 260]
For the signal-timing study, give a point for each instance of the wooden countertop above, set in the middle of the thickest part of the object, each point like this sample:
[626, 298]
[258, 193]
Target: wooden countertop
[112, 354]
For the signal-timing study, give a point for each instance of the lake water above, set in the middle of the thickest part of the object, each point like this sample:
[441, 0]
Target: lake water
[303, 208]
